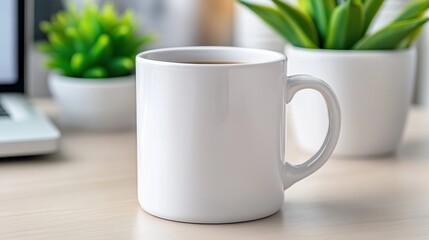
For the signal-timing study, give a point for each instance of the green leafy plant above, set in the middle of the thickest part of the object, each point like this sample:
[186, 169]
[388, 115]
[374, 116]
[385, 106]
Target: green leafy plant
[333, 24]
[92, 43]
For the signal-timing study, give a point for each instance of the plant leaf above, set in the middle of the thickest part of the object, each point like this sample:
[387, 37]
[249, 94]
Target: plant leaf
[77, 63]
[283, 26]
[77, 40]
[147, 39]
[60, 65]
[121, 66]
[95, 72]
[44, 47]
[60, 44]
[108, 15]
[321, 11]
[390, 36]
[100, 49]
[346, 25]
[45, 26]
[406, 43]
[303, 22]
[121, 32]
[304, 5]
[127, 18]
[413, 10]
[371, 8]
[86, 30]
[72, 12]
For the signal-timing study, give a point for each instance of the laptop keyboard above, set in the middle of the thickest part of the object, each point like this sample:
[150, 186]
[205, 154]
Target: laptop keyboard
[3, 112]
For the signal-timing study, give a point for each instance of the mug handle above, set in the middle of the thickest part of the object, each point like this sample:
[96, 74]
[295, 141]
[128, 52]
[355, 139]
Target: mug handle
[293, 173]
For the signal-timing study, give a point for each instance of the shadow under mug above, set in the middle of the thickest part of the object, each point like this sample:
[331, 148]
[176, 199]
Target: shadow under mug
[211, 136]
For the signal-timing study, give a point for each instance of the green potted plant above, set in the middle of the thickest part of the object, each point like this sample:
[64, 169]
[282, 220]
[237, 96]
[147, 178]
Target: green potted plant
[372, 73]
[91, 55]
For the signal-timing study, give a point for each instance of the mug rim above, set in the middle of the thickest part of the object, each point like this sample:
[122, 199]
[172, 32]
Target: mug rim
[274, 56]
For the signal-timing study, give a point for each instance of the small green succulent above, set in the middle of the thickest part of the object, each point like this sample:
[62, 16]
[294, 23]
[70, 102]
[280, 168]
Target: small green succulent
[333, 24]
[92, 43]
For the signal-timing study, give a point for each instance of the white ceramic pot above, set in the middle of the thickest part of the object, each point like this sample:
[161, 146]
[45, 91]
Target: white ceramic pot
[99, 104]
[374, 89]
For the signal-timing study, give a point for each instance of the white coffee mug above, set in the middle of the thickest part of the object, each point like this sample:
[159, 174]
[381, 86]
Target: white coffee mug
[210, 132]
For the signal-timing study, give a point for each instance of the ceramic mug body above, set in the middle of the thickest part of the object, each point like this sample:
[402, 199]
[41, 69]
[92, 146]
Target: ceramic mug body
[210, 136]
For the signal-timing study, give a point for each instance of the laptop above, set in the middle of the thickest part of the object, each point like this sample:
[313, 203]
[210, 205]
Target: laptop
[23, 129]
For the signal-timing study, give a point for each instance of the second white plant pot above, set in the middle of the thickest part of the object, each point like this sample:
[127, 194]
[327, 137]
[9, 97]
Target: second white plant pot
[96, 104]
[374, 89]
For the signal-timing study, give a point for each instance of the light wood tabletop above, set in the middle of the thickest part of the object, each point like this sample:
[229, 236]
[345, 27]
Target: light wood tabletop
[88, 191]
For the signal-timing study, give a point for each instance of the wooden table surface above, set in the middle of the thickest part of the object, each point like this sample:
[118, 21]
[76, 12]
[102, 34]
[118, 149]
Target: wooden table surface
[88, 191]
